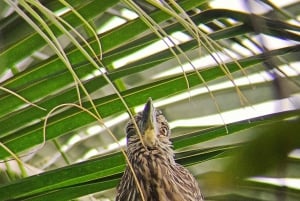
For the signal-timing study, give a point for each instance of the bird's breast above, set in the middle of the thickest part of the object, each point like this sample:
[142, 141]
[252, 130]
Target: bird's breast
[150, 166]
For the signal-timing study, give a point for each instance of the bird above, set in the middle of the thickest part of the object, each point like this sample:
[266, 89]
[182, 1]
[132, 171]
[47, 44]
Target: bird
[153, 174]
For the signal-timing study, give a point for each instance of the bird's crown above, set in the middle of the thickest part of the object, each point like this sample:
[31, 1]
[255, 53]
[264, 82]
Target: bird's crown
[151, 124]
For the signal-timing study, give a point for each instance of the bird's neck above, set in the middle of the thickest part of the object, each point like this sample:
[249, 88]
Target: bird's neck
[161, 155]
[151, 166]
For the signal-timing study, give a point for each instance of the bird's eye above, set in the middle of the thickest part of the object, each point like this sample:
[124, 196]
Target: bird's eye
[130, 130]
[164, 131]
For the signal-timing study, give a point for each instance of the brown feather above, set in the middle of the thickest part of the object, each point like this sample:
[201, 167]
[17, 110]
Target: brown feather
[159, 176]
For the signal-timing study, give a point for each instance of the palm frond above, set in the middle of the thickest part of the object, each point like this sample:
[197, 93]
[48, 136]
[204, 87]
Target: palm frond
[214, 72]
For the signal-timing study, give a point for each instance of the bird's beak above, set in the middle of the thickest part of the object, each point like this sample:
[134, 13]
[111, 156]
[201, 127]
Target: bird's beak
[149, 127]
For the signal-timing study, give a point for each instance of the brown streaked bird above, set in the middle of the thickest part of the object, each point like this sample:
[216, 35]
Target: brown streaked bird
[159, 176]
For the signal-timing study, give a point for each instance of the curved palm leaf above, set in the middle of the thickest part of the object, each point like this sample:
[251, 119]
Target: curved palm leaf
[186, 84]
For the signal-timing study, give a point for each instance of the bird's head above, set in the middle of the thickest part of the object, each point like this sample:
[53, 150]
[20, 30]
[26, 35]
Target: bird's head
[153, 127]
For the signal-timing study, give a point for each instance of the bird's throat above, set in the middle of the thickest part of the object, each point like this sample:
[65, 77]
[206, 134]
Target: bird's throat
[149, 137]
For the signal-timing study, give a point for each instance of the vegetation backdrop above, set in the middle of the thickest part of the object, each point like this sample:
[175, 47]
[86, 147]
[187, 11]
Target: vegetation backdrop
[227, 80]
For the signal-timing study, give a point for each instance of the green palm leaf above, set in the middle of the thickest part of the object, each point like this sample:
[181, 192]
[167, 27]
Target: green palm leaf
[205, 72]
